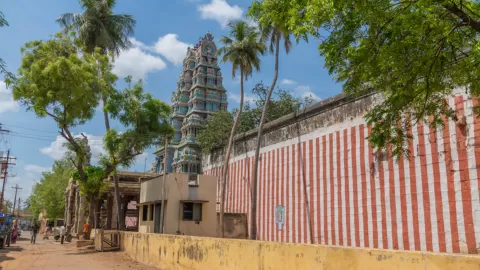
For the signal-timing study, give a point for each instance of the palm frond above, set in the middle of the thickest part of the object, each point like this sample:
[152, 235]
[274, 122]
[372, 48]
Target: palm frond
[70, 21]
[287, 43]
[3, 22]
[242, 48]
[99, 27]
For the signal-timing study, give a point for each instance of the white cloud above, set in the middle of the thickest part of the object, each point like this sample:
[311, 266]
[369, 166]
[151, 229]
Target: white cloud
[288, 82]
[136, 43]
[236, 98]
[136, 62]
[32, 168]
[171, 48]
[220, 11]
[305, 91]
[57, 150]
[7, 104]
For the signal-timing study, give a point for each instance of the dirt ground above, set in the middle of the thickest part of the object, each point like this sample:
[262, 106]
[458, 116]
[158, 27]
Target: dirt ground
[51, 255]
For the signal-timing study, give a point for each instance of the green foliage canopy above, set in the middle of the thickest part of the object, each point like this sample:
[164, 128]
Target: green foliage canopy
[94, 184]
[48, 194]
[282, 103]
[415, 53]
[215, 134]
[145, 118]
[59, 80]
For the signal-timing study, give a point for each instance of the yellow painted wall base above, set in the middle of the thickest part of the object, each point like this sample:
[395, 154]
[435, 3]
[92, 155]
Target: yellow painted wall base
[186, 252]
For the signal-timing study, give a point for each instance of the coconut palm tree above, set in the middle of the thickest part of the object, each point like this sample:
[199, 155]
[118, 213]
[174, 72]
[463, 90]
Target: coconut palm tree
[242, 48]
[99, 27]
[273, 34]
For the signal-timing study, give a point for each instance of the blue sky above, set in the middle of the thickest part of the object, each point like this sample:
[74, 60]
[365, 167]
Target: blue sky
[163, 32]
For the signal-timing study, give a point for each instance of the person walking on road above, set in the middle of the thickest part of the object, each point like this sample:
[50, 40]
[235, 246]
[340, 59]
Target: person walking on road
[62, 234]
[34, 232]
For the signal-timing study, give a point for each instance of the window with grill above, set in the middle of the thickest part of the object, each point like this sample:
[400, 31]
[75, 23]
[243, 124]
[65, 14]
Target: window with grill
[192, 211]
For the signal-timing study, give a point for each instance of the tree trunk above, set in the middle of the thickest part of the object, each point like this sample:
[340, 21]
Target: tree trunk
[227, 156]
[253, 219]
[120, 215]
[70, 208]
[91, 215]
[105, 113]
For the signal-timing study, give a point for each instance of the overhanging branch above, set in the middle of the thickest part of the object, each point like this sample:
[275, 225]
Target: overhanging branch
[467, 20]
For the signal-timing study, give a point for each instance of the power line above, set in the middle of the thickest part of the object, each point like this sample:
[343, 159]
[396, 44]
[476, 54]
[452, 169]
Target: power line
[47, 138]
[57, 133]
[39, 130]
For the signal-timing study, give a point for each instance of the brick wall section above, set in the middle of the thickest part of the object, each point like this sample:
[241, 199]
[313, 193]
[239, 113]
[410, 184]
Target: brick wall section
[358, 196]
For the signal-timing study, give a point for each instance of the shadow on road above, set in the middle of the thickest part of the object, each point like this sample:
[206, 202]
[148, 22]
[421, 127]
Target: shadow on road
[11, 249]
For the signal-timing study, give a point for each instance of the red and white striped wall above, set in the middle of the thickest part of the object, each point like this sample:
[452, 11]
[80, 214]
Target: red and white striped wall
[429, 203]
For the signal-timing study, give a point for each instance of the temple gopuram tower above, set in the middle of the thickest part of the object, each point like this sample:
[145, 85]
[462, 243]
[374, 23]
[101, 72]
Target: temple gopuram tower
[199, 93]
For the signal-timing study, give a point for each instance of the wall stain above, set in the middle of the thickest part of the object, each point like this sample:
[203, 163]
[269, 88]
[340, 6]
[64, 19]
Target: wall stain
[384, 257]
[194, 252]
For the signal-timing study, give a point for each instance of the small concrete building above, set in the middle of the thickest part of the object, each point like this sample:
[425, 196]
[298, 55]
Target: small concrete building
[190, 205]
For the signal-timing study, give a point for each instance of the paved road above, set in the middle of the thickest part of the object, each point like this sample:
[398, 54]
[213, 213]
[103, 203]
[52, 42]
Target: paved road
[51, 255]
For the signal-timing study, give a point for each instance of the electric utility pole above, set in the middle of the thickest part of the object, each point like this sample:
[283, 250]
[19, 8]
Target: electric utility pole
[19, 207]
[16, 187]
[4, 167]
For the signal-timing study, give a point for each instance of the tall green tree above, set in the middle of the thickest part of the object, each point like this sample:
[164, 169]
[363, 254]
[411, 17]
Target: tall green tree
[99, 27]
[242, 48]
[146, 123]
[48, 194]
[60, 81]
[414, 53]
[91, 186]
[273, 30]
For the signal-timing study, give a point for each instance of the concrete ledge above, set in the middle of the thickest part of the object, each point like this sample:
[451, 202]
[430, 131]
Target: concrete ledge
[84, 243]
[184, 252]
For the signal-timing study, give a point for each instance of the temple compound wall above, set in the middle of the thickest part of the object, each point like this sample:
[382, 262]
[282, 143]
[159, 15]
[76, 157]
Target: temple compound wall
[359, 196]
